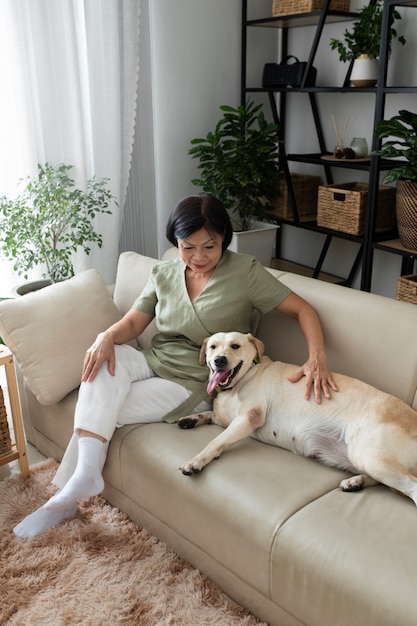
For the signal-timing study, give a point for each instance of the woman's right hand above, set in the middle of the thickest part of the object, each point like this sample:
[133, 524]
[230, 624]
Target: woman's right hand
[102, 350]
[132, 324]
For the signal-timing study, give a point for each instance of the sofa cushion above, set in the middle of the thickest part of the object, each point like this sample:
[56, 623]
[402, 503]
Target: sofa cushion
[49, 331]
[133, 271]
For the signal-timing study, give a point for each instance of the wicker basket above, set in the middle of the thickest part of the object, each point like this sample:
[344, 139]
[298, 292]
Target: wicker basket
[407, 213]
[5, 441]
[291, 7]
[305, 192]
[343, 207]
[407, 288]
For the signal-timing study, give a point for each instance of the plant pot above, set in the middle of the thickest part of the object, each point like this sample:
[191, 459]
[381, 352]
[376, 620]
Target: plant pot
[259, 241]
[364, 71]
[406, 208]
[35, 285]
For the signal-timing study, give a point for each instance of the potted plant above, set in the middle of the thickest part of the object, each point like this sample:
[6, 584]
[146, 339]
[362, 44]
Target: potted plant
[401, 132]
[238, 163]
[50, 220]
[361, 44]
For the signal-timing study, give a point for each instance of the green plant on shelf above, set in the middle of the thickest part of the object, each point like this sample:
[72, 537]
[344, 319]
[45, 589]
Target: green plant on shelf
[365, 36]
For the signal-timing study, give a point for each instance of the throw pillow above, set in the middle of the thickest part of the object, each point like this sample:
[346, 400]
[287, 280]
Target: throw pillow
[49, 331]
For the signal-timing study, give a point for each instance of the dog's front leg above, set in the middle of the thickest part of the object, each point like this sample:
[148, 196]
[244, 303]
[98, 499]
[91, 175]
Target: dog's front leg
[196, 419]
[239, 428]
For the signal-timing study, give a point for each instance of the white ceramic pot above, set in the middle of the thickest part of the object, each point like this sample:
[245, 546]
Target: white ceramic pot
[259, 241]
[364, 71]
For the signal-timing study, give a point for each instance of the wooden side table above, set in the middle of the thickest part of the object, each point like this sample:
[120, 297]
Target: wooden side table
[18, 450]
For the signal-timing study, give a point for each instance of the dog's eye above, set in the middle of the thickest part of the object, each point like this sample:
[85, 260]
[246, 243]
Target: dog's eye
[212, 346]
[235, 346]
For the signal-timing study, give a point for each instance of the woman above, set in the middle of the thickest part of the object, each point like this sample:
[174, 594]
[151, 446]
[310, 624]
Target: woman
[206, 290]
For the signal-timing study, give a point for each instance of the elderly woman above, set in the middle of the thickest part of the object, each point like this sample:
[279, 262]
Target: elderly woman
[206, 290]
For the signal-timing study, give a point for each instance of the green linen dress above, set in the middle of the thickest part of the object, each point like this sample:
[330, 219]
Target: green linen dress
[238, 286]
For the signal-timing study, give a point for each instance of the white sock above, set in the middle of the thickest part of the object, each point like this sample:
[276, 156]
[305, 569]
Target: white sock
[86, 481]
[42, 519]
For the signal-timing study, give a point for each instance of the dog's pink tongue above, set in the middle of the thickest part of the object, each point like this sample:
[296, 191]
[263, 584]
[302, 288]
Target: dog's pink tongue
[215, 379]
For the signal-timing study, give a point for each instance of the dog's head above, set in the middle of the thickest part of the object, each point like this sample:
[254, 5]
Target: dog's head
[229, 357]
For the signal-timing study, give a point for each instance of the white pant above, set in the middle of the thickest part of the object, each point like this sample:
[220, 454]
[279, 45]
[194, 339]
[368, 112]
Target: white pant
[134, 395]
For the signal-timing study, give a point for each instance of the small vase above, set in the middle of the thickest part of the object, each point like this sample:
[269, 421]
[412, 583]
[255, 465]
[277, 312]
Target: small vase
[360, 146]
[364, 71]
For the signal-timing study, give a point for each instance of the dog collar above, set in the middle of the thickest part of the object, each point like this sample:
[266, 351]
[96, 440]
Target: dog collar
[218, 389]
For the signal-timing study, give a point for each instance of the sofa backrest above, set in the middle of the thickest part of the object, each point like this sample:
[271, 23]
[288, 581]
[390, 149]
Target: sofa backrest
[367, 336]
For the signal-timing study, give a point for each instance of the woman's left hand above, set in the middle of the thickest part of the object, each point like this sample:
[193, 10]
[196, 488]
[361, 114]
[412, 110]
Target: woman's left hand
[318, 378]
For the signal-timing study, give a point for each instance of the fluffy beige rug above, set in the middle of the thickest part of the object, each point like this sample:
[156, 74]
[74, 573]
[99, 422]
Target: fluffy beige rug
[97, 569]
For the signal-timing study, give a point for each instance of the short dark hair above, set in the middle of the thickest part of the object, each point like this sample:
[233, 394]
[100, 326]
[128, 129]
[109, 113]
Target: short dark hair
[196, 212]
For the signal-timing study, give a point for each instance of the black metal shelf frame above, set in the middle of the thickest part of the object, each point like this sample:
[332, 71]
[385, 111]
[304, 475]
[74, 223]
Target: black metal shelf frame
[369, 241]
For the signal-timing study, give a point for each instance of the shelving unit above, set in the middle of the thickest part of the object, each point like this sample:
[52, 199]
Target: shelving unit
[17, 450]
[369, 241]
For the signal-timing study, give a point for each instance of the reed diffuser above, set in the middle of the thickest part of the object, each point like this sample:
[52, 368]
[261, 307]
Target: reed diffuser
[340, 151]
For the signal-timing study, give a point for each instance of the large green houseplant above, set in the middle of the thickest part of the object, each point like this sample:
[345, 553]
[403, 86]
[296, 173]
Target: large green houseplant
[50, 220]
[400, 133]
[238, 162]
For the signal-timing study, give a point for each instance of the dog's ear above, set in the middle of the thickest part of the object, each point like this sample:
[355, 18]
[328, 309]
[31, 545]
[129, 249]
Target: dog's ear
[259, 345]
[202, 358]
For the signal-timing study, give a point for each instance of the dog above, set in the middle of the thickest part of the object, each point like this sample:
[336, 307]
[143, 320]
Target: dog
[362, 430]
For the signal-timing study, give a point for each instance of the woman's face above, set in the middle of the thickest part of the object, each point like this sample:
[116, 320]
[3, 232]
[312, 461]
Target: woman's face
[201, 251]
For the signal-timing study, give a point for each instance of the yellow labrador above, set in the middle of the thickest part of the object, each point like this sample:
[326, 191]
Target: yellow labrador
[361, 429]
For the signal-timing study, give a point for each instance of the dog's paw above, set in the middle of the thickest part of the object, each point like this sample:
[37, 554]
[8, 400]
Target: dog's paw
[190, 421]
[354, 483]
[190, 468]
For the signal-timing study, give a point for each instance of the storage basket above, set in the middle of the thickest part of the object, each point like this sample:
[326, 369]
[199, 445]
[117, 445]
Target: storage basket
[290, 7]
[305, 192]
[407, 288]
[343, 207]
[5, 441]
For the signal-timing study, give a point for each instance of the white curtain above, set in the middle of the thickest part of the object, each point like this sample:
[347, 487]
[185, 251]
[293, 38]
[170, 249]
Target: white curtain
[68, 75]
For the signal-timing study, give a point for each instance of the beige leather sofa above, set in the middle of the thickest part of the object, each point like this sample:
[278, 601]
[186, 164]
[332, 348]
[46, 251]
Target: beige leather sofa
[272, 528]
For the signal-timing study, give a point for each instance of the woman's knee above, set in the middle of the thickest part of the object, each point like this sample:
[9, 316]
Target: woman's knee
[133, 361]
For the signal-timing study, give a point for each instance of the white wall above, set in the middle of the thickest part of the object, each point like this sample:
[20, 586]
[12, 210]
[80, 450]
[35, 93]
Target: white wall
[195, 54]
[195, 58]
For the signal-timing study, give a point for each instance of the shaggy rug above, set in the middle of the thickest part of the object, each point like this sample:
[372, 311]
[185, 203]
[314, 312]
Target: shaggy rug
[98, 569]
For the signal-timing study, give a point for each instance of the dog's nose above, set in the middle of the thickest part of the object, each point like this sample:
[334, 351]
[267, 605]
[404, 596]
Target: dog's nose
[220, 361]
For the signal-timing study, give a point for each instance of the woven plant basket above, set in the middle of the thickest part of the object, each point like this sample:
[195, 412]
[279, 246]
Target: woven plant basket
[407, 288]
[291, 7]
[407, 213]
[5, 441]
[305, 192]
[343, 208]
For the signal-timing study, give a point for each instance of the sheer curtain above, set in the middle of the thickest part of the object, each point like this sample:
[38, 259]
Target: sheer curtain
[69, 73]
